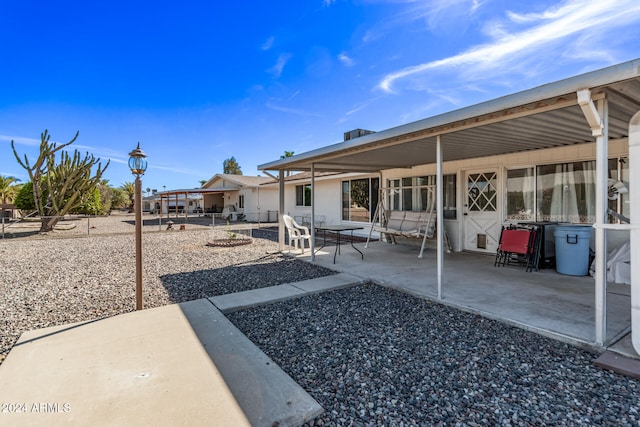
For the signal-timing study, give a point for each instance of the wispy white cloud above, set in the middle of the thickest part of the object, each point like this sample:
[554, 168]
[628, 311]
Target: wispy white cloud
[518, 50]
[268, 44]
[189, 172]
[296, 93]
[282, 60]
[291, 110]
[20, 140]
[327, 3]
[346, 60]
[356, 108]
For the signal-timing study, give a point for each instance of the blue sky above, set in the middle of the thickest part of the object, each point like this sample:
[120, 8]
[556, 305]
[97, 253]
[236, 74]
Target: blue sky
[197, 82]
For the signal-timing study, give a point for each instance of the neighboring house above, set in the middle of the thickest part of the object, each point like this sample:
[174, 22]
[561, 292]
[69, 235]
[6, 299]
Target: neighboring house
[255, 197]
[166, 202]
[8, 211]
[545, 154]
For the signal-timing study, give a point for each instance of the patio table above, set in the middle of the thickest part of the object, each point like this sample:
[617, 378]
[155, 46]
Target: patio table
[338, 230]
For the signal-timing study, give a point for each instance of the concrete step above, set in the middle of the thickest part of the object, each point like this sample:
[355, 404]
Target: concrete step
[256, 297]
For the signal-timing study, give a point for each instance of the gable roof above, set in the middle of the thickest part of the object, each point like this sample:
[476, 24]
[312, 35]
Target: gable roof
[237, 181]
[543, 117]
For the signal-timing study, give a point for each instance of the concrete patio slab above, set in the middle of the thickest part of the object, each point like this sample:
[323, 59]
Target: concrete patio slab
[556, 305]
[182, 364]
[256, 297]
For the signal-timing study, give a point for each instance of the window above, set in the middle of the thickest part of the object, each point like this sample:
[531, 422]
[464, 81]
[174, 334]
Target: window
[241, 201]
[563, 192]
[359, 199]
[411, 194]
[303, 195]
[521, 186]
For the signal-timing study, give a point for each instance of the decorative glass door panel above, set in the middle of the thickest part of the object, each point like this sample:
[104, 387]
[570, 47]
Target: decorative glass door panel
[481, 219]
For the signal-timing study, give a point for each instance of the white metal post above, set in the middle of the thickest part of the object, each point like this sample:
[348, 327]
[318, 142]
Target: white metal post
[439, 215]
[634, 204]
[281, 210]
[312, 245]
[600, 275]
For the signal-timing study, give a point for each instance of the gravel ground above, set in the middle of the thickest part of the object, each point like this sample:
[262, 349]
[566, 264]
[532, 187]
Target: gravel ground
[375, 356]
[52, 280]
[369, 355]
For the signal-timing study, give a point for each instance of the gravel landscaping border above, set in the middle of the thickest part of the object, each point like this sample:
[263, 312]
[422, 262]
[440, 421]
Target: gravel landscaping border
[376, 356]
[62, 278]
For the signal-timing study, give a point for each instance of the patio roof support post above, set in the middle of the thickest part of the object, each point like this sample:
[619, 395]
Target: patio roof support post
[634, 202]
[280, 210]
[186, 208]
[439, 215]
[312, 245]
[598, 120]
[602, 191]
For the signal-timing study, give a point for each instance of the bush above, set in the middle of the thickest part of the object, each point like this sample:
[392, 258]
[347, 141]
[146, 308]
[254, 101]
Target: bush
[24, 200]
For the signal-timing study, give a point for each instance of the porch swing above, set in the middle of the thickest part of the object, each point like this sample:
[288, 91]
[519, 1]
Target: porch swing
[408, 224]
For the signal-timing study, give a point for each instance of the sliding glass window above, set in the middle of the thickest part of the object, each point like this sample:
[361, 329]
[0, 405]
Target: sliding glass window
[359, 199]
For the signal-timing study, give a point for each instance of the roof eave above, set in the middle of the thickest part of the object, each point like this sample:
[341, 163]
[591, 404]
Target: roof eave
[594, 79]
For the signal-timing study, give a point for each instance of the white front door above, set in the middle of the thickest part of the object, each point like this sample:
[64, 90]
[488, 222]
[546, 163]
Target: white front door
[481, 216]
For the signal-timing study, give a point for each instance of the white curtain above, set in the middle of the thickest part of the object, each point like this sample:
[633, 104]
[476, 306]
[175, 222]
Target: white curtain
[573, 196]
[528, 188]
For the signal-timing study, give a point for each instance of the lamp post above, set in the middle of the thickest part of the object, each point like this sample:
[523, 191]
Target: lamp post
[138, 165]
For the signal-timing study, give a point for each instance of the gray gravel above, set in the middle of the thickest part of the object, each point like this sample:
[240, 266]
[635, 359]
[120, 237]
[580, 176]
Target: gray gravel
[52, 280]
[376, 356]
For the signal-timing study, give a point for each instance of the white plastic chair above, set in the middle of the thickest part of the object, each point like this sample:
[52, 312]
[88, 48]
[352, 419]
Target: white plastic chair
[297, 233]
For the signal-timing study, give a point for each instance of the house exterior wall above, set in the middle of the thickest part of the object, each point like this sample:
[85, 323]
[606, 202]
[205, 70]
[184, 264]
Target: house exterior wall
[455, 228]
[327, 198]
[328, 189]
[259, 202]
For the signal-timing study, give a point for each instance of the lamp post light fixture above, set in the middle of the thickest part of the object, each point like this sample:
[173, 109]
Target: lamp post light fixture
[138, 165]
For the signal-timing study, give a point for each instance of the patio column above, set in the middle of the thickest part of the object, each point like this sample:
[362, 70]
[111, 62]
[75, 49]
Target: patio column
[634, 177]
[280, 210]
[439, 216]
[598, 121]
[312, 246]
[600, 276]
[186, 208]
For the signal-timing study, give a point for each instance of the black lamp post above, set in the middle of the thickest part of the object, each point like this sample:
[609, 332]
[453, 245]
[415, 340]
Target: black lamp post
[138, 165]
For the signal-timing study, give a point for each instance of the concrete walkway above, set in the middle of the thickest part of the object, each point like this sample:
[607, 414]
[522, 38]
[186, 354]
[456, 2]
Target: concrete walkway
[183, 364]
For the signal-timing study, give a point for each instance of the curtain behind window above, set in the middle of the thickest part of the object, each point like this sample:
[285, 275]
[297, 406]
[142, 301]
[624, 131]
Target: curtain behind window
[566, 192]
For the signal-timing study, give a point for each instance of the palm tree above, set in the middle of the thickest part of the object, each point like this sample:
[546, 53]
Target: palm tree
[8, 191]
[287, 154]
[130, 189]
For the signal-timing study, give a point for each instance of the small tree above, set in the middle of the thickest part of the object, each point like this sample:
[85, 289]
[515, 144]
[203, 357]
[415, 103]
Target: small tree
[106, 196]
[58, 186]
[231, 167]
[91, 204]
[24, 198]
[119, 199]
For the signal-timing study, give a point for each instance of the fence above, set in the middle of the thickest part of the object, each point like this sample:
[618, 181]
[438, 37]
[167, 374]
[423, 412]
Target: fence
[121, 223]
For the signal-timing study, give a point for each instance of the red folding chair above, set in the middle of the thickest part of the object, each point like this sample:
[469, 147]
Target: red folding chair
[516, 245]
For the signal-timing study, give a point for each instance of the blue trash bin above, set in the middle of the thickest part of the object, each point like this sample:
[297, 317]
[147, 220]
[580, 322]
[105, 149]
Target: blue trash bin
[572, 249]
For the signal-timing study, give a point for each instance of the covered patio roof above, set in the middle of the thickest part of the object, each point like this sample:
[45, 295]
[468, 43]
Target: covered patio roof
[543, 117]
[599, 106]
